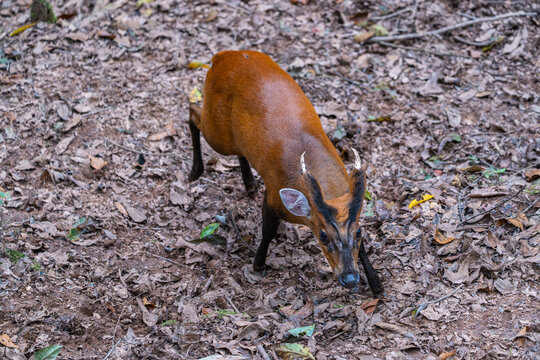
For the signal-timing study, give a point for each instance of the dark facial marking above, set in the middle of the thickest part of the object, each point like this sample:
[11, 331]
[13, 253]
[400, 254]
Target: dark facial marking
[327, 211]
[358, 188]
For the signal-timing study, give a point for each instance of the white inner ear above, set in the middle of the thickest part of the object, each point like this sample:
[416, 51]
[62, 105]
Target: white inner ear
[295, 202]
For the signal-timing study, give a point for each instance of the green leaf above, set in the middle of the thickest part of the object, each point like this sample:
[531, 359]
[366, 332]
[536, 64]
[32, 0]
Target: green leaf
[48, 353]
[455, 137]
[308, 330]
[209, 230]
[379, 30]
[339, 132]
[492, 172]
[294, 351]
[73, 234]
[367, 195]
[369, 210]
[169, 322]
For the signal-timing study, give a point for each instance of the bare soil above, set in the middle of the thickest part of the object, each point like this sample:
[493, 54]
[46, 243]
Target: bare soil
[99, 257]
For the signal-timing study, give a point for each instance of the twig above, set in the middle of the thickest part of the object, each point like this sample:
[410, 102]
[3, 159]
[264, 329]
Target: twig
[420, 49]
[421, 307]
[466, 221]
[93, 112]
[112, 349]
[168, 260]
[232, 304]
[207, 285]
[466, 15]
[139, 152]
[389, 16]
[449, 28]
[530, 206]
[473, 43]
[263, 352]
[238, 233]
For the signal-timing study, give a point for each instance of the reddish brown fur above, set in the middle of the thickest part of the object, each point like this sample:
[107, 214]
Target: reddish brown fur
[252, 108]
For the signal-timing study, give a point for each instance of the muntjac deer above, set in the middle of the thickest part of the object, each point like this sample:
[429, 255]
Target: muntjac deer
[256, 111]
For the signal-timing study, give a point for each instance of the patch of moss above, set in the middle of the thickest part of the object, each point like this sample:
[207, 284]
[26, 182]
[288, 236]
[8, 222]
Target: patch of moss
[42, 10]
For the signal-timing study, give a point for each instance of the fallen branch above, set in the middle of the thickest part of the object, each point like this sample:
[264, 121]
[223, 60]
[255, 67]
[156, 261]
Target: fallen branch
[420, 49]
[449, 28]
[468, 221]
[474, 43]
[421, 307]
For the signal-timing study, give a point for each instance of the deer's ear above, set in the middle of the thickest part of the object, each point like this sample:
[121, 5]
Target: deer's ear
[295, 202]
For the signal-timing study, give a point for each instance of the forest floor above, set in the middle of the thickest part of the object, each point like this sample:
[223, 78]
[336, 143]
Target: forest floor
[99, 224]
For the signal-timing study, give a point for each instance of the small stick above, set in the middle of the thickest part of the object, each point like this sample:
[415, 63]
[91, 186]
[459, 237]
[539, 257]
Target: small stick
[207, 285]
[169, 260]
[449, 28]
[419, 49]
[263, 352]
[466, 221]
[232, 304]
[473, 43]
[238, 233]
[139, 152]
[421, 307]
[389, 16]
[112, 349]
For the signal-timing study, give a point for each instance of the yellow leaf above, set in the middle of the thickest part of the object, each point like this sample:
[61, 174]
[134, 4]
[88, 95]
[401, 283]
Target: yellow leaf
[97, 163]
[446, 355]
[440, 238]
[195, 96]
[416, 202]
[142, 2]
[6, 341]
[22, 28]
[197, 64]
[146, 12]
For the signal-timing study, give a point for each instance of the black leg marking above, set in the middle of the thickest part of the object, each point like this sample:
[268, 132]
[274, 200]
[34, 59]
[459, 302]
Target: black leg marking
[198, 165]
[269, 230]
[372, 277]
[247, 176]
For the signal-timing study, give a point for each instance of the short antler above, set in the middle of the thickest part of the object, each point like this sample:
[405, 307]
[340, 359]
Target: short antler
[303, 163]
[357, 162]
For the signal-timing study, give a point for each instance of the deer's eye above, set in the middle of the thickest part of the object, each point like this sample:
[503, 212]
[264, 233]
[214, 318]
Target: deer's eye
[324, 238]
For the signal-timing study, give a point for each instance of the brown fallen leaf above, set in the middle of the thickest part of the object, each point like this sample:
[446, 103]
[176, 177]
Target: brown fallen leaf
[212, 15]
[363, 36]
[72, 122]
[105, 34]
[446, 355]
[121, 208]
[148, 304]
[369, 306]
[471, 169]
[479, 193]
[169, 131]
[520, 336]
[63, 145]
[302, 313]
[303, 2]
[97, 163]
[135, 214]
[6, 341]
[532, 174]
[77, 36]
[392, 327]
[442, 239]
[518, 221]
